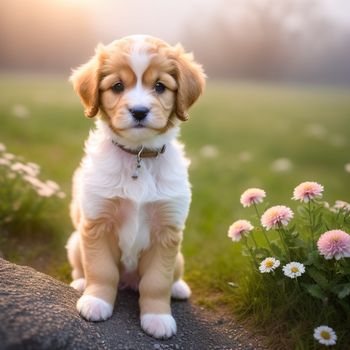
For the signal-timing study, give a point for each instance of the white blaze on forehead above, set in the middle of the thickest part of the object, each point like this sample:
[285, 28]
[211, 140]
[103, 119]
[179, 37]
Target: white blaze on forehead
[139, 62]
[139, 57]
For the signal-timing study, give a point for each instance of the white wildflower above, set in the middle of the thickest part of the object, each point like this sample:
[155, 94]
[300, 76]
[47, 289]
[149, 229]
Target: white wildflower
[325, 335]
[316, 130]
[282, 165]
[9, 156]
[269, 265]
[293, 269]
[20, 111]
[341, 206]
[24, 168]
[35, 167]
[61, 195]
[53, 185]
[245, 156]
[209, 151]
[4, 161]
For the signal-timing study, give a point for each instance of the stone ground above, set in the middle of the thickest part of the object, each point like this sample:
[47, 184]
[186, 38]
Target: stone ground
[38, 312]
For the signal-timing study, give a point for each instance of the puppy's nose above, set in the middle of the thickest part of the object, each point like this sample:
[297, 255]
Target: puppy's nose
[139, 112]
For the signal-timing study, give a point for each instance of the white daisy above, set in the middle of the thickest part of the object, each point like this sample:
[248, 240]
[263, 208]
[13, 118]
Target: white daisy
[269, 265]
[293, 269]
[325, 335]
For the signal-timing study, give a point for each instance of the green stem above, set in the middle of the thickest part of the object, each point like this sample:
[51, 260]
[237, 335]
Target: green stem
[338, 213]
[252, 235]
[344, 217]
[262, 227]
[298, 284]
[245, 240]
[284, 243]
[311, 225]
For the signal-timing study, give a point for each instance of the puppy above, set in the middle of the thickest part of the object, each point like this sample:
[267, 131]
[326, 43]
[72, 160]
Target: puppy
[131, 193]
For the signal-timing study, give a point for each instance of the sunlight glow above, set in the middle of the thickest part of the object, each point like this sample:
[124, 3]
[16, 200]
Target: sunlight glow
[76, 3]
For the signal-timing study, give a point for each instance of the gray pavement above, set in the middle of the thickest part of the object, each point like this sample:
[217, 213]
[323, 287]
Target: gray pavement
[38, 312]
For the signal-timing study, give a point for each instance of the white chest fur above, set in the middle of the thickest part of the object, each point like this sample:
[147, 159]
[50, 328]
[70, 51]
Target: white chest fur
[134, 233]
[160, 196]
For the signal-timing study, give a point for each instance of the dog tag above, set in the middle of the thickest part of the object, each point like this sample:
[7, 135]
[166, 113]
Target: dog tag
[136, 173]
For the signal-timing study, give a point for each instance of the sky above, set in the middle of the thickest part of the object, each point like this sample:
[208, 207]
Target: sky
[168, 18]
[59, 34]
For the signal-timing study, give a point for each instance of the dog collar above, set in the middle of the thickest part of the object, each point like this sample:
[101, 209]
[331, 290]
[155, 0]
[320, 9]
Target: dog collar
[140, 153]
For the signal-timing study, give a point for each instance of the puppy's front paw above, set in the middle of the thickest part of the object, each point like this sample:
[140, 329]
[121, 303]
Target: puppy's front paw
[158, 325]
[180, 290]
[93, 308]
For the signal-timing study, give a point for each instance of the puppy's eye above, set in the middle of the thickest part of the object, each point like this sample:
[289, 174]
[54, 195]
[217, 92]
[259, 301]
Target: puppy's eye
[159, 88]
[118, 88]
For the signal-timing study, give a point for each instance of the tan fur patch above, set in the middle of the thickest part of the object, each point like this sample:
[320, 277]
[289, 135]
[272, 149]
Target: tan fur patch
[157, 269]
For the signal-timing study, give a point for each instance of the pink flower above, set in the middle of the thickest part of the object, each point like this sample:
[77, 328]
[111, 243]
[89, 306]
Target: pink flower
[252, 196]
[334, 244]
[274, 216]
[307, 191]
[239, 228]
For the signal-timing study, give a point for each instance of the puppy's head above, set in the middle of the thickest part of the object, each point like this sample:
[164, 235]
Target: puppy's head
[139, 85]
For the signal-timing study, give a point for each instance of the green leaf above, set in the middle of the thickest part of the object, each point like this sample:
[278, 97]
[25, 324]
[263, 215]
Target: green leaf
[315, 260]
[318, 277]
[312, 256]
[245, 252]
[318, 210]
[318, 228]
[302, 211]
[261, 251]
[345, 270]
[299, 243]
[315, 291]
[343, 290]
[276, 249]
[295, 234]
[345, 305]
[291, 230]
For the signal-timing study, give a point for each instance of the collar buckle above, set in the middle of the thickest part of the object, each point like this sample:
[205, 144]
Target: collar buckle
[140, 154]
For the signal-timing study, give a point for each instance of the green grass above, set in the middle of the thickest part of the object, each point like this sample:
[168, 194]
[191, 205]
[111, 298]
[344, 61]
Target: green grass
[251, 125]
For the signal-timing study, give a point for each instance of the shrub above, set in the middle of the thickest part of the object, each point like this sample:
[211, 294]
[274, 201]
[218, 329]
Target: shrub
[300, 279]
[27, 203]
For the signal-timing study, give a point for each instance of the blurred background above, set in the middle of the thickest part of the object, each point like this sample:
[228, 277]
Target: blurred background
[276, 112]
[290, 40]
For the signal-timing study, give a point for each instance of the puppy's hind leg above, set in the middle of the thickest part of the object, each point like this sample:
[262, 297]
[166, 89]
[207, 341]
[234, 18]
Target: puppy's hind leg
[74, 258]
[180, 289]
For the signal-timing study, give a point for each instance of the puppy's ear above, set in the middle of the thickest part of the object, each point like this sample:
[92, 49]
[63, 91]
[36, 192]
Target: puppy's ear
[190, 79]
[86, 79]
